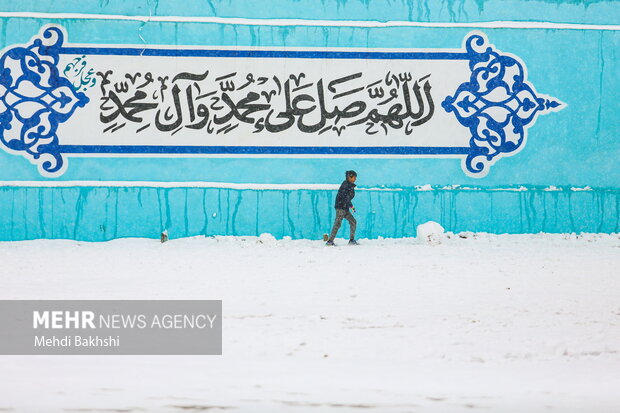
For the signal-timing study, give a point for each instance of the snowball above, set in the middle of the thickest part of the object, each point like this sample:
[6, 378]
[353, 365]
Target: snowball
[430, 233]
[266, 238]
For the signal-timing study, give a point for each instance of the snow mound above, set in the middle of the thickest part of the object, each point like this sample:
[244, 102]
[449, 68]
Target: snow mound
[266, 238]
[467, 234]
[430, 233]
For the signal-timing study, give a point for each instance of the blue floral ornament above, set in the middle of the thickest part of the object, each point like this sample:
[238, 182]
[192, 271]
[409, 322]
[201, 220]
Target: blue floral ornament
[35, 100]
[497, 105]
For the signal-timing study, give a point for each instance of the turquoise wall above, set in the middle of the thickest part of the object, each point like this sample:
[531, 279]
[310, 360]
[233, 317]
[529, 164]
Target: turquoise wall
[561, 11]
[99, 214]
[575, 147]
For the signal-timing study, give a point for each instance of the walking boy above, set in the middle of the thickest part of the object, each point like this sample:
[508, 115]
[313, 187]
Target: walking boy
[343, 204]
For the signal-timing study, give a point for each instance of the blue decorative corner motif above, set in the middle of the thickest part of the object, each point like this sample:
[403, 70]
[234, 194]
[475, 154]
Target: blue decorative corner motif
[497, 105]
[35, 99]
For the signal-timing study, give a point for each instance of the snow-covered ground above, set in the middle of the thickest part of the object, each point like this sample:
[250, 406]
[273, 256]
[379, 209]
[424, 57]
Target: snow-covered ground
[511, 323]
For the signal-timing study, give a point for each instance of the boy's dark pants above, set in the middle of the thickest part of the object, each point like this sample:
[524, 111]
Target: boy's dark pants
[346, 214]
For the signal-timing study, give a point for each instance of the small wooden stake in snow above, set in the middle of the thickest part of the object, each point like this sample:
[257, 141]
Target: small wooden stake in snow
[164, 236]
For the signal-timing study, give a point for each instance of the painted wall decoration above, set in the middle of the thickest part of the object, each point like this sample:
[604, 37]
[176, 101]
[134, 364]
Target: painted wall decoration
[60, 100]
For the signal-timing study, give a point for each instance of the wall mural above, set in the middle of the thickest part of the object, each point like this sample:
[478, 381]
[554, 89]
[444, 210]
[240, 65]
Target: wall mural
[61, 100]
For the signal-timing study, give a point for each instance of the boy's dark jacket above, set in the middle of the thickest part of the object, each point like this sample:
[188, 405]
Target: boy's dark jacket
[345, 195]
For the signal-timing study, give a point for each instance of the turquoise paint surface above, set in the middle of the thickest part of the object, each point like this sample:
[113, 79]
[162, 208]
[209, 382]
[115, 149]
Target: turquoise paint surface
[577, 146]
[565, 11]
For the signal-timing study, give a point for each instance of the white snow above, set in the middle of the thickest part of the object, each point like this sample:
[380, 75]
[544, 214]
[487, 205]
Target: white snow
[249, 186]
[508, 323]
[430, 232]
[266, 238]
[426, 187]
